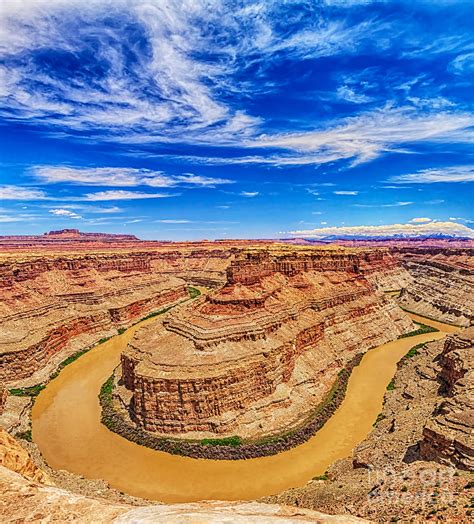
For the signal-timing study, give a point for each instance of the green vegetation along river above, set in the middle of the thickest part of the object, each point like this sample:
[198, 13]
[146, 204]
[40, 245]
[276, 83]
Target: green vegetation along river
[68, 431]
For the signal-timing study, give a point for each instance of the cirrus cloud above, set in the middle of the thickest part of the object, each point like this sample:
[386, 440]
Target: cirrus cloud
[437, 174]
[101, 196]
[21, 193]
[121, 177]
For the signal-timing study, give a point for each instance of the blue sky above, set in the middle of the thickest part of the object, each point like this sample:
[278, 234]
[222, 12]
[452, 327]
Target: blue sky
[214, 119]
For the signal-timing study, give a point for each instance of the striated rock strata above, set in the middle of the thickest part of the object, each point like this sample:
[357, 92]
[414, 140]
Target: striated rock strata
[449, 436]
[443, 284]
[412, 466]
[55, 304]
[258, 355]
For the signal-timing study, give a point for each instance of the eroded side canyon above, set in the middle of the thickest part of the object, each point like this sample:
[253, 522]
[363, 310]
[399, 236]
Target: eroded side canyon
[442, 285]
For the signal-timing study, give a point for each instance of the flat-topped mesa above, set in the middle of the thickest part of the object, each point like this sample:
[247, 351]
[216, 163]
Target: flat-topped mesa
[258, 355]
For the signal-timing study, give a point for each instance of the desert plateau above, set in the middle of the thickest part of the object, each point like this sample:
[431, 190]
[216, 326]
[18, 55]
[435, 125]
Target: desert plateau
[236, 261]
[287, 370]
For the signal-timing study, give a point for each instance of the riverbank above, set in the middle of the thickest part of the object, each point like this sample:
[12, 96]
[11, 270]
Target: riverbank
[230, 448]
[390, 477]
[21, 398]
[70, 435]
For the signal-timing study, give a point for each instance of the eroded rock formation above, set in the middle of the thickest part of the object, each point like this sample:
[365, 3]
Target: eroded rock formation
[443, 284]
[259, 354]
[54, 304]
[448, 437]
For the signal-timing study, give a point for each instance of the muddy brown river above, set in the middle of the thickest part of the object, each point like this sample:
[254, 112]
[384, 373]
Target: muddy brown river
[69, 434]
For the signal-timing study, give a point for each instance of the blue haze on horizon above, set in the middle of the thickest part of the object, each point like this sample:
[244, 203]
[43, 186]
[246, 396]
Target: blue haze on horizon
[225, 119]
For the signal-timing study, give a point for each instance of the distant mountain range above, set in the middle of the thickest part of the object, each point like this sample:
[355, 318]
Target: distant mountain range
[437, 236]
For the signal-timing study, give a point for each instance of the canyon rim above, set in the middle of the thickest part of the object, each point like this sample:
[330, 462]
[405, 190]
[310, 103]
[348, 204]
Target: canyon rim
[236, 261]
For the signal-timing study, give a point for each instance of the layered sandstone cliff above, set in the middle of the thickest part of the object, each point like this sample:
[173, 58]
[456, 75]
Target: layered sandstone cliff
[442, 285]
[54, 304]
[414, 466]
[259, 354]
[448, 437]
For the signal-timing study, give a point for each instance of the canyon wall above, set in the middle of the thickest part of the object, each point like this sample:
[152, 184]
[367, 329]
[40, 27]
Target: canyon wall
[416, 465]
[257, 355]
[442, 284]
[448, 435]
[54, 304]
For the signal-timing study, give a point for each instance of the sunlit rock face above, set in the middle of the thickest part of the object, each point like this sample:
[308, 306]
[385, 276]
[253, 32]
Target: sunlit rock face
[442, 285]
[258, 355]
[61, 293]
[448, 436]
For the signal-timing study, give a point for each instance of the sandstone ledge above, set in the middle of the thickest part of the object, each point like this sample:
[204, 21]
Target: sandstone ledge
[399, 473]
[27, 501]
[117, 421]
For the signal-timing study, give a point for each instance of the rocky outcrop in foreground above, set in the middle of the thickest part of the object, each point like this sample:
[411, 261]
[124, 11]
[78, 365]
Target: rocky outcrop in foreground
[412, 467]
[449, 437]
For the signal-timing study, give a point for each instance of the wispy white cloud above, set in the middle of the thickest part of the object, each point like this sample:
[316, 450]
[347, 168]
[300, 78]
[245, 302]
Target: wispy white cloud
[438, 174]
[165, 72]
[461, 219]
[173, 221]
[352, 193]
[249, 194]
[394, 204]
[121, 177]
[390, 230]
[435, 201]
[463, 64]
[119, 194]
[367, 136]
[67, 213]
[7, 219]
[165, 86]
[21, 193]
[348, 94]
